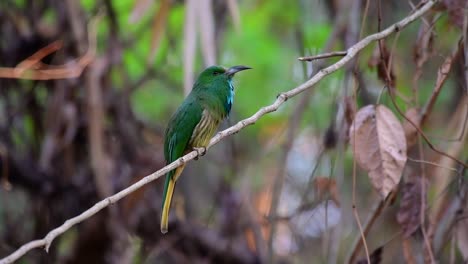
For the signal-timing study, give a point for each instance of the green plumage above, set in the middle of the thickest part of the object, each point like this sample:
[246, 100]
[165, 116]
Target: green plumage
[195, 122]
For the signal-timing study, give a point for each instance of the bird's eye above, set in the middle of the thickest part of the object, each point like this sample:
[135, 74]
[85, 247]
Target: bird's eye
[216, 73]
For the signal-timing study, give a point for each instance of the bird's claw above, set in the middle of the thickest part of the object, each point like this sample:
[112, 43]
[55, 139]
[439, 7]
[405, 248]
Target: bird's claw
[201, 152]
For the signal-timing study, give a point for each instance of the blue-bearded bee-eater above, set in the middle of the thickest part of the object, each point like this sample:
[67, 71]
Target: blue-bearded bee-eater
[195, 122]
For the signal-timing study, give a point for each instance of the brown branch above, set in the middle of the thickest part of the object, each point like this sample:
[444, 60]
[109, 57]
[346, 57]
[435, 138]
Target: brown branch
[33, 69]
[38, 56]
[281, 99]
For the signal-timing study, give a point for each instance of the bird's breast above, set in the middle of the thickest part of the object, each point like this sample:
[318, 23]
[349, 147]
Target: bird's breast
[204, 130]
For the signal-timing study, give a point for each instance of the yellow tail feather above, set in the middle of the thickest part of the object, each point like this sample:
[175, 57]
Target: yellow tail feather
[166, 207]
[167, 201]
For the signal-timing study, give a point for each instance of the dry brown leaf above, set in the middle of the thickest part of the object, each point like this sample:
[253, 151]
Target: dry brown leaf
[379, 146]
[323, 187]
[408, 215]
[411, 133]
[159, 26]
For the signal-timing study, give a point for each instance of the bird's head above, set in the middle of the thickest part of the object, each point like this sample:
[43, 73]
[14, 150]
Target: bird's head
[219, 74]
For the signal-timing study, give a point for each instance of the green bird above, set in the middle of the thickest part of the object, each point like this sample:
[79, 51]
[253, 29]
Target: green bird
[195, 122]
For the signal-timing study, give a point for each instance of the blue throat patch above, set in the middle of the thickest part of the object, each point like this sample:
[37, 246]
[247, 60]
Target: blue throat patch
[230, 98]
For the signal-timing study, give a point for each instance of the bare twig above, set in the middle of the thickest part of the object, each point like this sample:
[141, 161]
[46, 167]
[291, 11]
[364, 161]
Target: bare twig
[34, 59]
[433, 164]
[323, 56]
[351, 53]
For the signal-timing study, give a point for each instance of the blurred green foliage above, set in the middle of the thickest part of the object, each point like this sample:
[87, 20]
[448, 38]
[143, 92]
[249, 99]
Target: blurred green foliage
[264, 41]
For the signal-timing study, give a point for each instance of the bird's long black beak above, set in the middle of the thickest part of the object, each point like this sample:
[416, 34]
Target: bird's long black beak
[234, 69]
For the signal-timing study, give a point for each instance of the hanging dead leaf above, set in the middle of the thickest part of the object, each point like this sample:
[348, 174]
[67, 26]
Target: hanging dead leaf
[411, 133]
[408, 215]
[381, 59]
[379, 146]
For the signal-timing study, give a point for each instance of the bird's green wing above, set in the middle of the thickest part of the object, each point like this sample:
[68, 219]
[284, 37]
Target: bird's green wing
[180, 129]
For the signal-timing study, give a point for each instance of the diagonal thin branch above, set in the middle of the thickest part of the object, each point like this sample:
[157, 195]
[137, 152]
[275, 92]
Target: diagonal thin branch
[351, 53]
[323, 56]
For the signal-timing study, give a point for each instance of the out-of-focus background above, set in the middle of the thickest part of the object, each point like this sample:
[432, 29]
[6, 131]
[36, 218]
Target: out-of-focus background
[84, 117]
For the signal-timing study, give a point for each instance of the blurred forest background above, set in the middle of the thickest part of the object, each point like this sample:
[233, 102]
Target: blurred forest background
[84, 117]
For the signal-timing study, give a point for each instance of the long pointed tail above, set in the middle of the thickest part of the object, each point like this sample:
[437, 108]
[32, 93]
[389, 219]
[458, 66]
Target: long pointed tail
[168, 192]
[169, 186]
